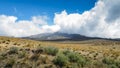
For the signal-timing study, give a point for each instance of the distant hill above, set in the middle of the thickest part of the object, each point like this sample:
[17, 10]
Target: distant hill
[58, 36]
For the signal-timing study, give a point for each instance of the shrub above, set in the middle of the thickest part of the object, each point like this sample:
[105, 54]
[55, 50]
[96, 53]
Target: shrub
[51, 50]
[61, 60]
[111, 63]
[3, 55]
[74, 65]
[112, 66]
[34, 57]
[39, 49]
[108, 61]
[8, 40]
[15, 43]
[96, 64]
[3, 41]
[13, 50]
[66, 52]
[75, 57]
[44, 59]
[117, 62]
[10, 63]
[2, 58]
[21, 54]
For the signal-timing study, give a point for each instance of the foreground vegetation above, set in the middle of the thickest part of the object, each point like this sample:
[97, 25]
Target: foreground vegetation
[20, 53]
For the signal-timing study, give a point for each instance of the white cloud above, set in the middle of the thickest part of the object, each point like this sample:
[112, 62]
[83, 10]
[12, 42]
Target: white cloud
[50, 29]
[103, 20]
[38, 24]
[41, 20]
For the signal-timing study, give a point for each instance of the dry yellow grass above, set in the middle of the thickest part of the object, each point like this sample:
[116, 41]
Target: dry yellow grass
[95, 50]
[105, 47]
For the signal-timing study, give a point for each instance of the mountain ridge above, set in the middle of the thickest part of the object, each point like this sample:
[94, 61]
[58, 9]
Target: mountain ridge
[58, 36]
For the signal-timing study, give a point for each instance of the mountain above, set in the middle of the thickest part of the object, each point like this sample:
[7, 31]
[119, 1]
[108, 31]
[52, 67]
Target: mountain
[57, 36]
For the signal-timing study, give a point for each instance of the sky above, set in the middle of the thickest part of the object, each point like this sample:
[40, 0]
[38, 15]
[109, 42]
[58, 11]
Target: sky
[94, 18]
[25, 9]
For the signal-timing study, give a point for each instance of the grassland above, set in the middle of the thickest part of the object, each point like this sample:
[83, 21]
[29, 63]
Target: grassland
[21, 53]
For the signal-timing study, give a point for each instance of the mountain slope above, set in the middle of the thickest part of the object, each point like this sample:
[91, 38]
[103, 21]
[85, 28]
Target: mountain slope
[59, 36]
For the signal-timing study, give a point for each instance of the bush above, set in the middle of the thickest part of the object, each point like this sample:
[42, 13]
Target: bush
[13, 50]
[96, 64]
[51, 50]
[66, 52]
[39, 50]
[34, 57]
[108, 61]
[74, 65]
[21, 54]
[61, 60]
[112, 66]
[44, 59]
[3, 41]
[10, 63]
[15, 43]
[111, 63]
[75, 57]
[117, 62]
[3, 55]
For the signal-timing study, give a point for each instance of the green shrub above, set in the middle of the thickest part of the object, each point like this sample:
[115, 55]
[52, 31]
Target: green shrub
[74, 65]
[96, 64]
[75, 57]
[13, 50]
[51, 50]
[21, 54]
[4, 54]
[108, 61]
[111, 62]
[112, 66]
[10, 63]
[61, 60]
[66, 52]
[2, 58]
[117, 63]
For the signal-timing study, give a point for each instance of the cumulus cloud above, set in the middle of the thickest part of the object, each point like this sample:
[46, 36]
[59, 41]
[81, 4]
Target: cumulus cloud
[113, 8]
[41, 20]
[38, 24]
[103, 20]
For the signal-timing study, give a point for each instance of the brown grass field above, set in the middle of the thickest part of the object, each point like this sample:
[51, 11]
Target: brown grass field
[21, 53]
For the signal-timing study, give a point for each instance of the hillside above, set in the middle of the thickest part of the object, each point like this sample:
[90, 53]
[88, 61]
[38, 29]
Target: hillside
[22, 53]
[58, 36]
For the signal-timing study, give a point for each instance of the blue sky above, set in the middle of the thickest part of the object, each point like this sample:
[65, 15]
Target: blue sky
[25, 9]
